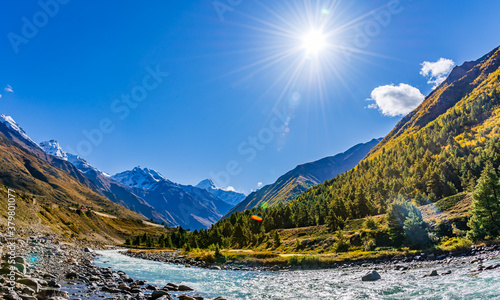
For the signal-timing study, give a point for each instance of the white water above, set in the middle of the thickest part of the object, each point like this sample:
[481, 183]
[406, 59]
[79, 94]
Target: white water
[315, 284]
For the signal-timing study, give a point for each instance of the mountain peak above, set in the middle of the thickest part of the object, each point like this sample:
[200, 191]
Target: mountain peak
[12, 125]
[52, 147]
[138, 177]
[206, 184]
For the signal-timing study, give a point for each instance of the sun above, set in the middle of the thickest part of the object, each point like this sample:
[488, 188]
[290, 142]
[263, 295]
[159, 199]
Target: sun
[314, 41]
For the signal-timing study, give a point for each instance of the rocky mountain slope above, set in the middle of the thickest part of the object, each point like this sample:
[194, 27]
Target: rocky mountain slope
[186, 206]
[304, 176]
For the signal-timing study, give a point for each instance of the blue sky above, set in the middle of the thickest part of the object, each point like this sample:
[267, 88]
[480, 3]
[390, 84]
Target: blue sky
[236, 71]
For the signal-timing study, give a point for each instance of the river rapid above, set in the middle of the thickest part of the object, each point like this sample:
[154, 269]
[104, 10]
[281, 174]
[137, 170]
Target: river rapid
[342, 283]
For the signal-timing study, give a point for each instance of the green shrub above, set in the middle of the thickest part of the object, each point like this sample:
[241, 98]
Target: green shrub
[369, 244]
[341, 244]
[370, 223]
[298, 245]
[304, 260]
[455, 244]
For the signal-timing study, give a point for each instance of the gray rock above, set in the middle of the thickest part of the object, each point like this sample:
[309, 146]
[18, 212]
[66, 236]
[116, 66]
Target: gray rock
[371, 276]
[30, 282]
[160, 293]
[46, 294]
[70, 275]
[12, 296]
[27, 297]
[432, 274]
[184, 288]
[28, 291]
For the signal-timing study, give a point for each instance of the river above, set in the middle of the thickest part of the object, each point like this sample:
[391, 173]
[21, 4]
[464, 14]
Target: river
[462, 283]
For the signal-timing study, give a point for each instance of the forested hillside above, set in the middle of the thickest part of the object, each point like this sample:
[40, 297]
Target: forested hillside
[439, 150]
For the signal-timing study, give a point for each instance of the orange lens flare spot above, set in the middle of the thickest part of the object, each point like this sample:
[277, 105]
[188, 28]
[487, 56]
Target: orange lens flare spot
[257, 218]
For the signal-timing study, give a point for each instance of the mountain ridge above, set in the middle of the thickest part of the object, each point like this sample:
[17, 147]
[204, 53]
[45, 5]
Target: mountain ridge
[304, 176]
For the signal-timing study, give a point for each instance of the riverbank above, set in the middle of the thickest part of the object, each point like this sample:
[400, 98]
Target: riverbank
[266, 261]
[46, 269]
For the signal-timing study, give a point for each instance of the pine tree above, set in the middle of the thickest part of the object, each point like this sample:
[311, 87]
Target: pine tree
[277, 239]
[406, 225]
[168, 243]
[217, 251]
[485, 208]
[414, 227]
[298, 244]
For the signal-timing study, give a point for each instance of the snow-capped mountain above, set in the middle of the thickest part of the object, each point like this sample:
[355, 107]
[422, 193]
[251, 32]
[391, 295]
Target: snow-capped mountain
[206, 184]
[183, 205]
[230, 197]
[103, 184]
[141, 178]
[143, 190]
[52, 147]
[15, 128]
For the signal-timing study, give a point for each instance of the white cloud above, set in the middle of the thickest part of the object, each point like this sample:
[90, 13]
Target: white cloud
[396, 100]
[230, 189]
[436, 72]
[259, 184]
[8, 88]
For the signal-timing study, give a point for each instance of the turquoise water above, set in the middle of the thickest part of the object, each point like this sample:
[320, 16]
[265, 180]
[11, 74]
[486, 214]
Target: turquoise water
[312, 284]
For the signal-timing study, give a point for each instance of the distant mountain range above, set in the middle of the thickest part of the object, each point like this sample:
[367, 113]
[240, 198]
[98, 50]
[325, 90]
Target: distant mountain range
[149, 193]
[50, 190]
[184, 205]
[142, 190]
[301, 178]
[228, 196]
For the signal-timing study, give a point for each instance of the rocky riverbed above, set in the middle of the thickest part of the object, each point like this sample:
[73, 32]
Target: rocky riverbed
[43, 269]
[476, 256]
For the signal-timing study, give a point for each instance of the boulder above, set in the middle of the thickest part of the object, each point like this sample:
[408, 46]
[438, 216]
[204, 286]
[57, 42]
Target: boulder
[12, 296]
[184, 288]
[20, 260]
[185, 297]
[371, 276]
[46, 294]
[20, 267]
[432, 274]
[87, 249]
[31, 283]
[70, 275]
[28, 291]
[160, 293]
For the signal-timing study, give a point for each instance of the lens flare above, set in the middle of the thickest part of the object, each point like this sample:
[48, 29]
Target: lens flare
[256, 218]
